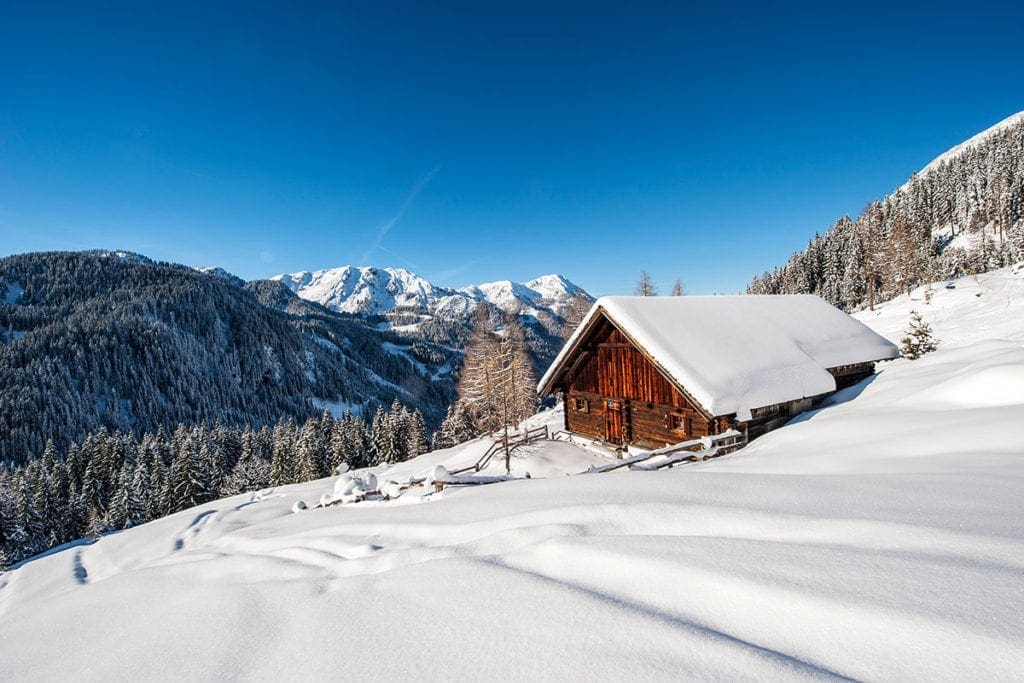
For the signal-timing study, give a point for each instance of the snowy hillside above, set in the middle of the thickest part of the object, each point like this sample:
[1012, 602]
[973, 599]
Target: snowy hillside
[1007, 124]
[373, 291]
[879, 537]
[962, 213]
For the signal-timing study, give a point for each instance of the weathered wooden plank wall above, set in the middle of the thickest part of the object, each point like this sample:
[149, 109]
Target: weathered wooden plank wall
[613, 369]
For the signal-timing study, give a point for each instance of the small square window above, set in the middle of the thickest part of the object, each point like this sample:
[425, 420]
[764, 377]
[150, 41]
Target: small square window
[580, 405]
[677, 423]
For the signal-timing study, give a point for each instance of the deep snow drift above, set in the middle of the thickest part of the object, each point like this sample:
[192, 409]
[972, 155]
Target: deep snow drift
[879, 537]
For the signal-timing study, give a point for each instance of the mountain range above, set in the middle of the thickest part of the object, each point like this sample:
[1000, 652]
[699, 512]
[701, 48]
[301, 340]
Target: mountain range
[407, 304]
[112, 339]
[385, 291]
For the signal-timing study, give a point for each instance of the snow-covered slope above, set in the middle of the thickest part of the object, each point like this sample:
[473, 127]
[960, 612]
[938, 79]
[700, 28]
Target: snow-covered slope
[371, 291]
[972, 142]
[880, 537]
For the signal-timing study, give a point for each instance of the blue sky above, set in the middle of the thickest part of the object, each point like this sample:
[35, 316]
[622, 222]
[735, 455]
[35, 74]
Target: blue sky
[481, 141]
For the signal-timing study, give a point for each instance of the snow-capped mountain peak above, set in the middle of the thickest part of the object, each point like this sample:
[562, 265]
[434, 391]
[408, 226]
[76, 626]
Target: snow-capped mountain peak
[370, 290]
[367, 289]
[554, 286]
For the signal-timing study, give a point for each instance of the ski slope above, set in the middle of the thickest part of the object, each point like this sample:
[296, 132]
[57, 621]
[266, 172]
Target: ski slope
[879, 537]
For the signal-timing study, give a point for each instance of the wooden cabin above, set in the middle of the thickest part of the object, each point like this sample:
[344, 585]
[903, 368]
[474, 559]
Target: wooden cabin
[651, 371]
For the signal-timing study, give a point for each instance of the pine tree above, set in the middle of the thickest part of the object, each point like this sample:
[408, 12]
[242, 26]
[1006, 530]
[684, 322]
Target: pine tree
[307, 466]
[478, 382]
[33, 519]
[95, 524]
[516, 376]
[117, 513]
[75, 524]
[645, 285]
[919, 339]
[137, 495]
[418, 444]
[250, 473]
[157, 495]
[382, 434]
[349, 443]
[13, 535]
[282, 464]
[498, 384]
[457, 427]
[188, 480]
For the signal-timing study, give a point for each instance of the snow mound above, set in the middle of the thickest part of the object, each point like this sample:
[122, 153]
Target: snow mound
[439, 473]
[998, 385]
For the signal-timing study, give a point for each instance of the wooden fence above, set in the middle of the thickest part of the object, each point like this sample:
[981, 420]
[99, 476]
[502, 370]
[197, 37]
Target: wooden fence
[513, 440]
[687, 451]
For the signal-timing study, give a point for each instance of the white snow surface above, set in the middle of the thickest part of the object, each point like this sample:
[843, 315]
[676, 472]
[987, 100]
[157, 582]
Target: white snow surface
[880, 537]
[734, 353]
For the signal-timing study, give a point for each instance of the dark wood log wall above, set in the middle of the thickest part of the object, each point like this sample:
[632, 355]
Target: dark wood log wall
[613, 369]
[848, 375]
[609, 368]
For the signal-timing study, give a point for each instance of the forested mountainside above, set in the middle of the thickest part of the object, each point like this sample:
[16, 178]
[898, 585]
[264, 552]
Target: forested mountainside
[414, 307]
[963, 213]
[108, 339]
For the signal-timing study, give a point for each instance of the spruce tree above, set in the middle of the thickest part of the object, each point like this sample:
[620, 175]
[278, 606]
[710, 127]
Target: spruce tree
[250, 473]
[188, 482]
[418, 444]
[307, 466]
[117, 513]
[282, 464]
[137, 509]
[919, 339]
[457, 427]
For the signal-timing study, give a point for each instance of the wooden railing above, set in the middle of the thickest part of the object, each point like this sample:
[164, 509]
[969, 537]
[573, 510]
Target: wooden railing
[513, 440]
[686, 451]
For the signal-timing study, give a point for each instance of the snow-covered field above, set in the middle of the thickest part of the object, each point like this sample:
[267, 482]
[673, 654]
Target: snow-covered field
[880, 537]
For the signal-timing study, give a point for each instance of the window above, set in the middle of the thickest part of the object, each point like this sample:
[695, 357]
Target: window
[580, 405]
[678, 423]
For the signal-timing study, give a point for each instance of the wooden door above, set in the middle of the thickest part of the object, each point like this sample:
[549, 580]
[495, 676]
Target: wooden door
[613, 422]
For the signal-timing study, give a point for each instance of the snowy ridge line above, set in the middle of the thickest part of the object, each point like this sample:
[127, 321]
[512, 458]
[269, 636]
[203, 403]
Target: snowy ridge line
[372, 290]
[973, 141]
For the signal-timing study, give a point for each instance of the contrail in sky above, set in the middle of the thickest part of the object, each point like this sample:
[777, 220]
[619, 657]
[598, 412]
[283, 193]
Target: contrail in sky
[384, 229]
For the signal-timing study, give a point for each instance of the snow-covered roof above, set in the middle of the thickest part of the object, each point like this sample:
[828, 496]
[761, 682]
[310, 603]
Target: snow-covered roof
[735, 353]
